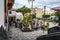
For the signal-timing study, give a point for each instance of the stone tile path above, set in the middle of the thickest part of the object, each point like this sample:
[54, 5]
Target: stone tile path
[16, 34]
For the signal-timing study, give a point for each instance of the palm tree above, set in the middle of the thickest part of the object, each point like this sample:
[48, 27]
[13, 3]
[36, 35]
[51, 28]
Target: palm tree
[32, 5]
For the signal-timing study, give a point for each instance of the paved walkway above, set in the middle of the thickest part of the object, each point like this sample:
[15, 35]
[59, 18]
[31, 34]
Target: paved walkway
[16, 34]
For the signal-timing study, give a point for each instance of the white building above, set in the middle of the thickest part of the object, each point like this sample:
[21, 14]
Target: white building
[39, 12]
[13, 15]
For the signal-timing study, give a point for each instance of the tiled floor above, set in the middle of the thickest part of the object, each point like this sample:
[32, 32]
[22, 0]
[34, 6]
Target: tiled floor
[16, 34]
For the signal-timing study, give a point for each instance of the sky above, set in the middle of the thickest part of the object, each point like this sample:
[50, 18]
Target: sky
[37, 3]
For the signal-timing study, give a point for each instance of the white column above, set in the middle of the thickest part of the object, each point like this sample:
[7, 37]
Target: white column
[1, 12]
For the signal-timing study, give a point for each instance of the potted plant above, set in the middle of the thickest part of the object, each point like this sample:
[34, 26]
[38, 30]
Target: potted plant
[26, 21]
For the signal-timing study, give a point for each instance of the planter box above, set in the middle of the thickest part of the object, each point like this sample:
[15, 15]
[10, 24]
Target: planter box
[26, 30]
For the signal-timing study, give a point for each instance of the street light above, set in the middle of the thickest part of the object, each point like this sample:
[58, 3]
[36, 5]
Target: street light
[31, 6]
[44, 13]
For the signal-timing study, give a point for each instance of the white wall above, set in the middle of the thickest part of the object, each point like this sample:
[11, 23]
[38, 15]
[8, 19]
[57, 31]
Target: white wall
[1, 12]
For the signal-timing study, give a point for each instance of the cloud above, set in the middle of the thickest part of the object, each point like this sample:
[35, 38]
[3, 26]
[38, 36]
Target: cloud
[37, 3]
[17, 5]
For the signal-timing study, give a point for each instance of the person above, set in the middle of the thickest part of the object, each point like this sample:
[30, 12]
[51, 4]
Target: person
[2, 28]
[20, 25]
[10, 23]
[54, 21]
[16, 23]
[47, 26]
[36, 26]
[42, 26]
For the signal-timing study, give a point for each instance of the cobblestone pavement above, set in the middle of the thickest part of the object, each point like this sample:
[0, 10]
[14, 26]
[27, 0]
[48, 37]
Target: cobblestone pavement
[16, 34]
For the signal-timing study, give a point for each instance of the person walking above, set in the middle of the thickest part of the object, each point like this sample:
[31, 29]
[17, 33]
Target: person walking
[42, 26]
[47, 26]
[36, 26]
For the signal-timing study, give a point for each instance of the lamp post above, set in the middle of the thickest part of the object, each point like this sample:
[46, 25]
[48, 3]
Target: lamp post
[31, 6]
[44, 13]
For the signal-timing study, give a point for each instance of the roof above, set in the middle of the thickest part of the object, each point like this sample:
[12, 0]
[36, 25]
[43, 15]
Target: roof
[13, 9]
[57, 9]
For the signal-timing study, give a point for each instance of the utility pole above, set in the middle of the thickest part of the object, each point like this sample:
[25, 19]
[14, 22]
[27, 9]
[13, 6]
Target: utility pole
[32, 7]
[44, 13]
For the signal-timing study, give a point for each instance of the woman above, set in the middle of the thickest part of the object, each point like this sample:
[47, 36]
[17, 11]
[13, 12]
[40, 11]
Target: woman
[36, 26]
[42, 26]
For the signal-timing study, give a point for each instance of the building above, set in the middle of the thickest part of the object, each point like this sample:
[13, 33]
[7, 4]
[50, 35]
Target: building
[49, 12]
[11, 16]
[39, 12]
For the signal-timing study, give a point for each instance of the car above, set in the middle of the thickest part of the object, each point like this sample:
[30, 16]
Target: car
[53, 36]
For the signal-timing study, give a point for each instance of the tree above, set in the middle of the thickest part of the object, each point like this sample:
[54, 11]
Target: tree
[23, 10]
[58, 15]
[28, 20]
[45, 16]
[31, 4]
[33, 16]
